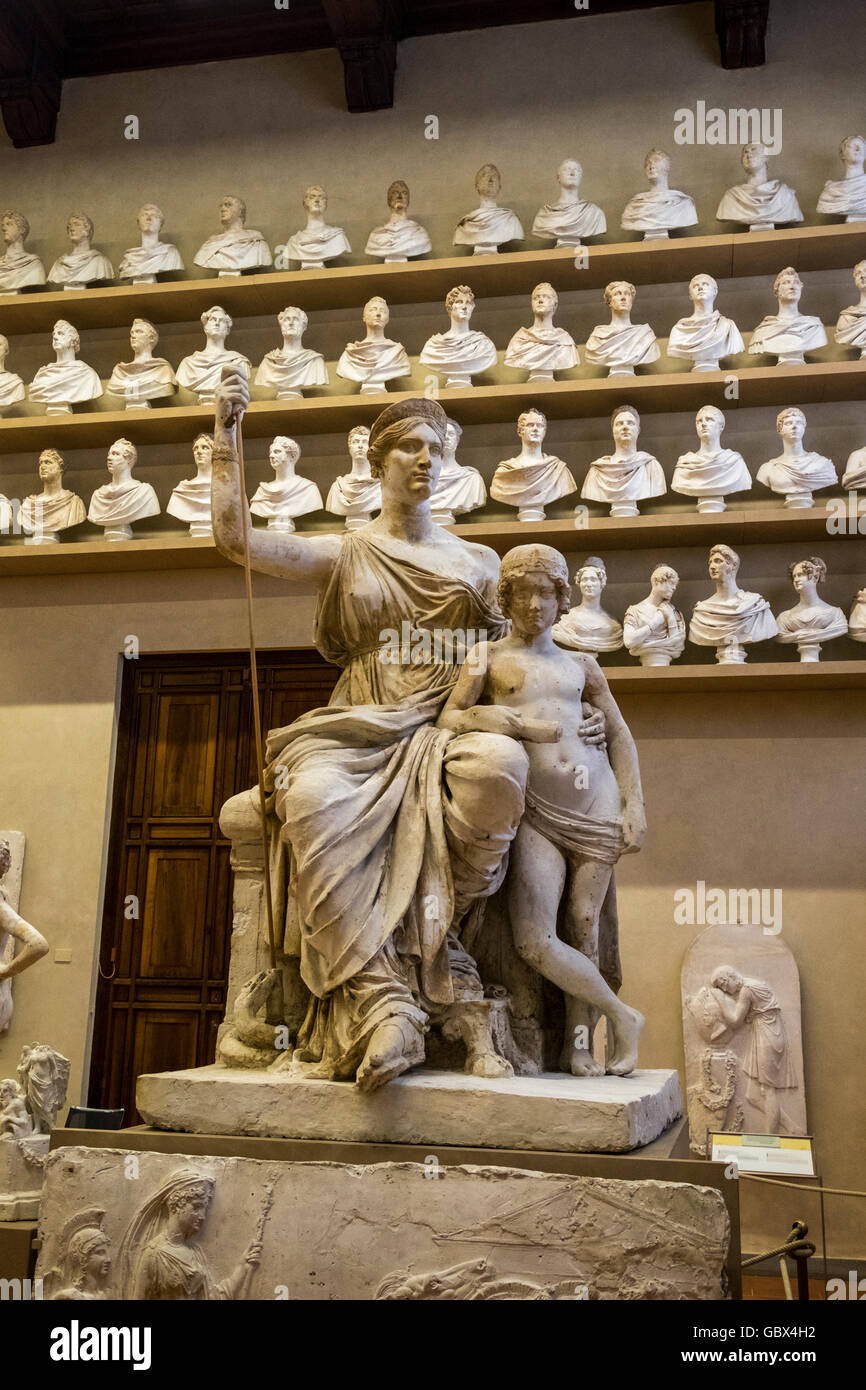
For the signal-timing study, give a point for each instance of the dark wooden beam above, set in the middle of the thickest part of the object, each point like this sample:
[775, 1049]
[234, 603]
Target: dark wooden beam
[31, 67]
[741, 26]
[365, 34]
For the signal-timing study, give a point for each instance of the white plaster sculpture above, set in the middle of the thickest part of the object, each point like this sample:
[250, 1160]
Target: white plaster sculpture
[146, 378]
[289, 495]
[317, 242]
[661, 209]
[81, 265]
[356, 495]
[462, 352]
[374, 360]
[569, 220]
[621, 345]
[190, 500]
[846, 197]
[587, 627]
[855, 470]
[66, 381]
[811, 621]
[706, 335]
[489, 226]
[18, 268]
[83, 1259]
[731, 618]
[654, 630]
[857, 617]
[143, 264]
[28, 1112]
[21, 945]
[542, 349]
[117, 505]
[532, 479]
[43, 1075]
[629, 474]
[851, 323]
[571, 820]
[236, 247]
[710, 472]
[788, 334]
[290, 369]
[399, 238]
[459, 489]
[15, 1123]
[796, 472]
[11, 386]
[201, 371]
[761, 203]
[45, 514]
[7, 519]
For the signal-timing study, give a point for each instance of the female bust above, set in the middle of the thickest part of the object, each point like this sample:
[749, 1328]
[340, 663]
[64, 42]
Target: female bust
[811, 621]
[587, 628]
[190, 500]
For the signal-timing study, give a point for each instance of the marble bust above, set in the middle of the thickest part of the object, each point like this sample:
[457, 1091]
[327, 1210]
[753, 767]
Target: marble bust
[201, 371]
[458, 489]
[11, 386]
[857, 618]
[654, 630]
[317, 242]
[489, 226]
[851, 323]
[18, 268]
[846, 197]
[45, 514]
[117, 505]
[569, 220]
[7, 520]
[855, 470]
[796, 472]
[532, 479]
[235, 248]
[706, 335]
[288, 495]
[356, 495]
[399, 237]
[191, 499]
[289, 369]
[629, 474]
[81, 265]
[586, 627]
[621, 345]
[661, 209]
[145, 378]
[811, 621]
[761, 202]
[732, 617]
[542, 349]
[710, 472]
[374, 360]
[142, 264]
[461, 353]
[788, 334]
[65, 381]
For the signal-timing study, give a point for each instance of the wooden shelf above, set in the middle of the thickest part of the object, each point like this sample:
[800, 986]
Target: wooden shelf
[763, 675]
[828, 247]
[575, 399]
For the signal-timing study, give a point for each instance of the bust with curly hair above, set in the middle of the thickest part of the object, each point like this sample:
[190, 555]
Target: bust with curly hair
[18, 268]
[462, 352]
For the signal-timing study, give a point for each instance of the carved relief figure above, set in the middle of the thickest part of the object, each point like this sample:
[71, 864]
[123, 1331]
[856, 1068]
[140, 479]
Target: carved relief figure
[84, 1260]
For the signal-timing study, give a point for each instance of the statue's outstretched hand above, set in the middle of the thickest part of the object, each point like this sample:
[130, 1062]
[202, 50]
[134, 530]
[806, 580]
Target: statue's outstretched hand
[231, 399]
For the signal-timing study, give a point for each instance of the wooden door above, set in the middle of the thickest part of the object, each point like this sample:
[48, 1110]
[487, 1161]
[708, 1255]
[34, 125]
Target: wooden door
[185, 745]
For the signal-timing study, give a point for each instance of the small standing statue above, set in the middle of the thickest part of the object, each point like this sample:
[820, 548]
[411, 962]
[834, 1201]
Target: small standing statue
[116, 505]
[489, 226]
[629, 474]
[398, 238]
[83, 1261]
[654, 630]
[796, 472]
[317, 242]
[710, 472]
[851, 323]
[846, 197]
[288, 495]
[11, 386]
[65, 381]
[236, 248]
[201, 371]
[82, 265]
[542, 349]
[660, 210]
[191, 499]
[374, 360]
[290, 369]
[462, 352]
[14, 931]
[18, 268]
[569, 220]
[732, 617]
[706, 335]
[145, 378]
[45, 514]
[857, 618]
[587, 627]
[621, 345]
[356, 495]
[142, 264]
[458, 489]
[43, 1075]
[532, 479]
[761, 202]
[811, 621]
[788, 334]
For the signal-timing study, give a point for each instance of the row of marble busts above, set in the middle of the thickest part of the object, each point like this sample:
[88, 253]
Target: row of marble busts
[730, 620]
[759, 203]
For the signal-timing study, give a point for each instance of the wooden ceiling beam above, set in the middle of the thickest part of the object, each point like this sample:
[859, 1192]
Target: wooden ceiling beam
[31, 70]
[365, 34]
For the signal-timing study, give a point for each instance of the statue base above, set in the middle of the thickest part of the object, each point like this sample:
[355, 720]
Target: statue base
[21, 1163]
[566, 1114]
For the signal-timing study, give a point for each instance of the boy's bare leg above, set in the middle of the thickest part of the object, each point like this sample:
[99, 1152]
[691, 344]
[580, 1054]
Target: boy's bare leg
[587, 885]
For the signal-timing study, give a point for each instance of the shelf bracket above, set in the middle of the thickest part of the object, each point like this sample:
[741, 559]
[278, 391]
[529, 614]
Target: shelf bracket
[365, 34]
[741, 26]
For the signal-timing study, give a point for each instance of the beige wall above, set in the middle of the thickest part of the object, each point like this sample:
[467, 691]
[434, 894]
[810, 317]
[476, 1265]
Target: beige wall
[749, 790]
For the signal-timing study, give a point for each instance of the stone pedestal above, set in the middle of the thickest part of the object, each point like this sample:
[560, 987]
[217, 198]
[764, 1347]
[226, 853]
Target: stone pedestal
[21, 1162]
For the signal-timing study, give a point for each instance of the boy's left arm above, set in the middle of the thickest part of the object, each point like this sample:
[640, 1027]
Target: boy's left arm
[622, 753]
